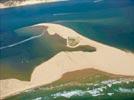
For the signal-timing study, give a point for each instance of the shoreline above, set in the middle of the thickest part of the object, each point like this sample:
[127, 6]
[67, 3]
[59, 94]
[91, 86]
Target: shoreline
[113, 76]
[26, 3]
[105, 58]
[79, 73]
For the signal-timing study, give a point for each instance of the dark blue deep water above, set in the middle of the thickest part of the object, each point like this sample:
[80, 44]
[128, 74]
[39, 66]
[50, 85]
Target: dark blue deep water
[108, 21]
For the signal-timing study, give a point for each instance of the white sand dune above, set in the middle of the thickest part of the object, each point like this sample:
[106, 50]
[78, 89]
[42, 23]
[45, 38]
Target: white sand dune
[105, 58]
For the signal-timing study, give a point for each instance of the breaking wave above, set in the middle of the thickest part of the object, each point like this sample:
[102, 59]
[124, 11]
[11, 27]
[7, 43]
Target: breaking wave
[125, 90]
[104, 88]
[68, 94]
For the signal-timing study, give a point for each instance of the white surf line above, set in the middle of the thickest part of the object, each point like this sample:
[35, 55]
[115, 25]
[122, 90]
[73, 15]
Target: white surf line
[23, 41]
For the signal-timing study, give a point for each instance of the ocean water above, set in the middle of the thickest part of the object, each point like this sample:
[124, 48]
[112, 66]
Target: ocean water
[108, 21]
[83, 84]
[101, 90]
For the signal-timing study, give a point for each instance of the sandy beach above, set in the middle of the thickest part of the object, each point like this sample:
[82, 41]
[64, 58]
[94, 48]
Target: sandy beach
[105, 58]
[23, 3]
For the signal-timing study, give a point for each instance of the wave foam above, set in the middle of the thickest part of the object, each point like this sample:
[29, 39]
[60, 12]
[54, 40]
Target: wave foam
[125, 90]
[68, 94]
[110, 94]
[38, 98]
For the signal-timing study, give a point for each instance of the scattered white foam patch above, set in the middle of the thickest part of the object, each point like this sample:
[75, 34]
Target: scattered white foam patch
[125, 90]
[110, 94]
[21, 42]
[128, 81]
[109, 83]
[38, 98]
[96, 92]
[68, 94]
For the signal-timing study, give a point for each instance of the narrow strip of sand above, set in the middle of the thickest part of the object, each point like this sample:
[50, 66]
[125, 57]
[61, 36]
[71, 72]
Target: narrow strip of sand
[11, 3]
[105, 58]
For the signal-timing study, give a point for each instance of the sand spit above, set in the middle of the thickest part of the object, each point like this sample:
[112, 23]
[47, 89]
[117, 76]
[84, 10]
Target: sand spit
[105, 58]
[15, 3]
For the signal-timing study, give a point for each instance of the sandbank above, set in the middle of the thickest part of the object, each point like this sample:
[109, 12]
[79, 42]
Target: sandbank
[105, 58]
[9, 3]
